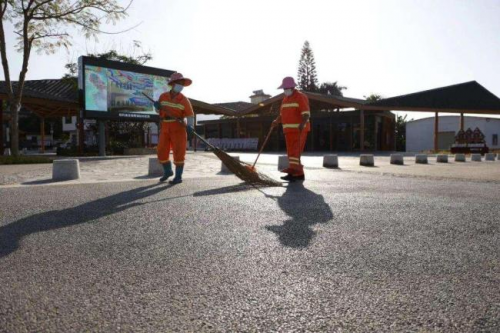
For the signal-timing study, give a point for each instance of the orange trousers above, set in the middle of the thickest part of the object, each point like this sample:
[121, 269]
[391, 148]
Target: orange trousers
[173, 136]
[295, 144]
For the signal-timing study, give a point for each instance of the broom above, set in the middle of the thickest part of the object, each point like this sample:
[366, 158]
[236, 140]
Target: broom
[262, 147]
[240, 169]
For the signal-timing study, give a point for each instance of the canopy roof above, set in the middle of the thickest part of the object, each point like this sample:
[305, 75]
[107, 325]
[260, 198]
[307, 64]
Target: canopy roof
[468, 97]
[59, 98]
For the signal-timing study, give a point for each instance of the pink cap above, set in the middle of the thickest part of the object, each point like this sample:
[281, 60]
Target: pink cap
[288, 83]
[180, 79]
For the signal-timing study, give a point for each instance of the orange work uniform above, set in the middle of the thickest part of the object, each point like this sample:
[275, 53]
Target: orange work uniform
[173, 134]
[291, 111]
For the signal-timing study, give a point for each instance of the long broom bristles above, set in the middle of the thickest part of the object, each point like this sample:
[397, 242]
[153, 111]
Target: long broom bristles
[244, 171]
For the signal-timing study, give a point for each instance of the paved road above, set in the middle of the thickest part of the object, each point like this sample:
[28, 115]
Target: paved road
[355, 253]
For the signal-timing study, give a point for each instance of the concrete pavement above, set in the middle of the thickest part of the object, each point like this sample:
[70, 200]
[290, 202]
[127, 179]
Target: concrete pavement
[352, 252]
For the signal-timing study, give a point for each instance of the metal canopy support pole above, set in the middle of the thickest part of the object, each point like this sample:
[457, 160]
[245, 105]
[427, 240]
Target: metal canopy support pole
[195, 138]
[436, 132]
[80, 132]
[331, 133]
[462, 121]
[238, 127]
[362, 130]
[102, 138]
[42, 134]
[375, 136]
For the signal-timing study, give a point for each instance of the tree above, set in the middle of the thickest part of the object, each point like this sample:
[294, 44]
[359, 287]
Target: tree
[44, 25]
[331, 88]
[401, 132]
[307, 77]
[373, 97]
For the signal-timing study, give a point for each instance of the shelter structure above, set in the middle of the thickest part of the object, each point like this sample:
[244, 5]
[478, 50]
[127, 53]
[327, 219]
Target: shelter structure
[464, 98]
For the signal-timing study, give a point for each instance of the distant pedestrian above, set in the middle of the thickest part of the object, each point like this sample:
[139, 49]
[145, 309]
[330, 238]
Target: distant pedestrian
[174, 107]
[294, 115]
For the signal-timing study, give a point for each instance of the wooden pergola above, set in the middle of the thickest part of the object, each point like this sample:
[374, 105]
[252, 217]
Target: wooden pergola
[59, 98]
[328, 103]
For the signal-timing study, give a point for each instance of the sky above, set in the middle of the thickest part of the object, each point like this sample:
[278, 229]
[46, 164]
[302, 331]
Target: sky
[230, 48]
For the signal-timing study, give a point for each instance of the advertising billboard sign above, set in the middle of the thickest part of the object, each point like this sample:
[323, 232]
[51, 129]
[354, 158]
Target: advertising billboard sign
[114, 90]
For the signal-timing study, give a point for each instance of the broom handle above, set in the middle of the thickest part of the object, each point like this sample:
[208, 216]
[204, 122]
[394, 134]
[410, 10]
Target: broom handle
[184, 124]
[263, 145]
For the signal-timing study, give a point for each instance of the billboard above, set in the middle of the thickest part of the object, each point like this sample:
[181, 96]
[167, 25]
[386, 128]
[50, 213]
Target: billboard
[114, 90]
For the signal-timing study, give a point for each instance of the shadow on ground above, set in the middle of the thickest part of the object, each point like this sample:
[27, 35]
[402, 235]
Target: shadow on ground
[11, 234]
[305, 209]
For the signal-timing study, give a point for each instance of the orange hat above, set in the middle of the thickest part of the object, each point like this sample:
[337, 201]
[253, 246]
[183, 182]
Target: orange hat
[179, 79]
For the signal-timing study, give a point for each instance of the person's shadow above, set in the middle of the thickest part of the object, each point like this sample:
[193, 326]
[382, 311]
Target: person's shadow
[11, 234]
[305, 209]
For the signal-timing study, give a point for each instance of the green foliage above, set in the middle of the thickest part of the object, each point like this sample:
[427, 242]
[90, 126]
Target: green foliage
[24, 160]
[45, 25]
[331, 88]
[373, 97]
[401, 132]
[307, 76]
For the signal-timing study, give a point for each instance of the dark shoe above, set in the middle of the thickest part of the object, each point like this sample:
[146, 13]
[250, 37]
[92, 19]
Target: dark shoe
[288, 177]
[179, 169]
[167, 171]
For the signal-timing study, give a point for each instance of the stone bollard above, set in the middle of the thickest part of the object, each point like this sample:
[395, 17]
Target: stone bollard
[7, 152]
[442, 159]
[282, 162]
[223, 167]
[476, 158]
[366, 160]
[330, 161]
[155, 169]
[489, 157]
[397, 159]
[460, 158]
[421, 159]
[65, 169]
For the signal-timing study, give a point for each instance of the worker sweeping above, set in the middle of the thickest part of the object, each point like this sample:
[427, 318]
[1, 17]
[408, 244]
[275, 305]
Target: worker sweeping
[174, 107]
[294, 116]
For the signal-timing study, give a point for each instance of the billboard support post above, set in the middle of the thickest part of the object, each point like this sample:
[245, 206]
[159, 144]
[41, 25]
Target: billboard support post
[102, 138]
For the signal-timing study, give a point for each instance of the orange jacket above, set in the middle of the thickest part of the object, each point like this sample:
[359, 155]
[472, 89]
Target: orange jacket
[178, 107]
[292, 109]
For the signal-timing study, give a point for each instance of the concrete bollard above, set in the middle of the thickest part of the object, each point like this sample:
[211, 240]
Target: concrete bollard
[155, 169]
[223, 167]
[442, 159]
[421, 159]
[66, 169]
[7, 152]
[397, 159]
[330, 161]
[282, 162]
[476, 158]
[489, 157]
[366, 160]
[460, 158]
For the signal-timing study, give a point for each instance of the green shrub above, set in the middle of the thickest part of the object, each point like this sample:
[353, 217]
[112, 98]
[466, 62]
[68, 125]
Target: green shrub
[24, 160]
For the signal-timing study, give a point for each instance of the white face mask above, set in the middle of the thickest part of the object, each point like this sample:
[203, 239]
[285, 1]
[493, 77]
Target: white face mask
[288, 92]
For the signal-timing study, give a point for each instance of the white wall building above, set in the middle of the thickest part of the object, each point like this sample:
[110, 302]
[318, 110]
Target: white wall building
[420, 133]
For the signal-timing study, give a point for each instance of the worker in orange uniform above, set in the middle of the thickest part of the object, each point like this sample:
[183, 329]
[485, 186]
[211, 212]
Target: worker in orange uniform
[294, 115]
[173, 108]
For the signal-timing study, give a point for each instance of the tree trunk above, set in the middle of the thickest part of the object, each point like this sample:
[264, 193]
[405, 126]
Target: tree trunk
[14, 127]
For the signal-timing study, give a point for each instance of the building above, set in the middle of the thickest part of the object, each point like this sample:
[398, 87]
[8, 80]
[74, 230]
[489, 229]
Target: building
[336, 124]
[419, 133]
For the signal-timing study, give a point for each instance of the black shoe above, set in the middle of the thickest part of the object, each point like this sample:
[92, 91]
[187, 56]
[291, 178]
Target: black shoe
[288, 177]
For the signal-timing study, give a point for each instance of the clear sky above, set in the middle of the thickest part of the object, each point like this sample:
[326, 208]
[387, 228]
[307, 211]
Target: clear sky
[232, 47]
